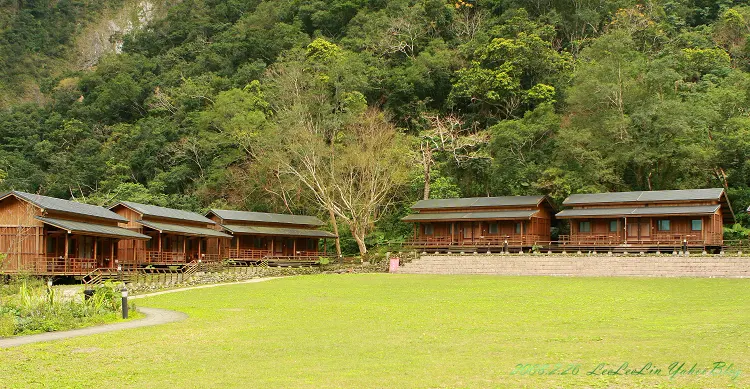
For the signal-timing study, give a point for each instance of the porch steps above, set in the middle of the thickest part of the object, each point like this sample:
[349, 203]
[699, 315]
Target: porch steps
[581, 265]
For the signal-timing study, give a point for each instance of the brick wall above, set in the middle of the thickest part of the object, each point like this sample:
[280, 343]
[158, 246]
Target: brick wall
[574, 265]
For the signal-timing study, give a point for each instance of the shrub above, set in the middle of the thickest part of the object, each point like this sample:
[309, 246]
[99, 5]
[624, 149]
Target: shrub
[35, 308]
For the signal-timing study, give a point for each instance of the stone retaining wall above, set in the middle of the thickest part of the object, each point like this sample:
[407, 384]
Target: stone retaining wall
[572, 265]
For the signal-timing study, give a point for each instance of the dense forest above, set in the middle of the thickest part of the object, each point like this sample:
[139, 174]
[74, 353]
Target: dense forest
[353, 109]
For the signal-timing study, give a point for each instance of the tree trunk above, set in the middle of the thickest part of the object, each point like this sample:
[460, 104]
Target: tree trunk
[360, 243]
[426, 163]
[332, 216]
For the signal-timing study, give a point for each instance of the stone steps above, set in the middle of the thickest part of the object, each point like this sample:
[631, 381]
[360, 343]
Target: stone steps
[554, 265]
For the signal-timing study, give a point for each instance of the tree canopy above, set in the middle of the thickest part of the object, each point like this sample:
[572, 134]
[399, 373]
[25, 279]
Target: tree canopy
[302, 107]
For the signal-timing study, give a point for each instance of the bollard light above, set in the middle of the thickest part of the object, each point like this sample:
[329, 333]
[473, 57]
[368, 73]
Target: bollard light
[124, 292]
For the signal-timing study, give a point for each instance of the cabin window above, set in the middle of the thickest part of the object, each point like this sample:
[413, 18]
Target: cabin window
[696, 225]
[613, 226]
[85, 247]
[51, 249]
[584, 227]
[518, 228]
[493, 228]
[663, 225]
[428, 230]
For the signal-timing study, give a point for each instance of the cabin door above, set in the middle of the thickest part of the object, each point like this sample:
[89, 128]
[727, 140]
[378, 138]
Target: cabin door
[278, 246]
[645, 229]
[468, 231]
[639, 230]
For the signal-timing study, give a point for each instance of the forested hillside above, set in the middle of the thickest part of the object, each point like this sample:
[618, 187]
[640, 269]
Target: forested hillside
[354, 109]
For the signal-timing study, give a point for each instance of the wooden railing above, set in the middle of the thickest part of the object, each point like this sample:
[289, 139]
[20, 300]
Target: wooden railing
[661, 238]
[244, 254]
[249, 254]
[479, 241]
[55, 265]
[165, 257]
[210, 258]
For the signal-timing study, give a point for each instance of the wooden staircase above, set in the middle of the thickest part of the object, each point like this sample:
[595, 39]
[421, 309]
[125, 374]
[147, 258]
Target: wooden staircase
[99, 275]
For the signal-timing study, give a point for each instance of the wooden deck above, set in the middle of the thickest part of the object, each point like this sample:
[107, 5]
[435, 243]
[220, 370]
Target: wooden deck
[53, 266]
[590, 242]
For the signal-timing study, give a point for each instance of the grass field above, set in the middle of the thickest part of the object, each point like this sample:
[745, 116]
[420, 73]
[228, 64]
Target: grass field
[409, 331]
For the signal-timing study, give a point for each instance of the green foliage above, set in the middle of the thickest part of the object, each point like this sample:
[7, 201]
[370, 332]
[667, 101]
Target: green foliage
[28, 306]
[736, 232]
[544, 97]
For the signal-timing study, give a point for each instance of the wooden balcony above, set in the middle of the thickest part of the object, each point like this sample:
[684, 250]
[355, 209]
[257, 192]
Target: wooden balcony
[655, 240]
[487, 241]
[165, 258]
[53, 266]
[245, 254]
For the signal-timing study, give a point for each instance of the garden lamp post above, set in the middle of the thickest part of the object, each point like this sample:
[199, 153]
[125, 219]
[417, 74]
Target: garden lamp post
[124, 292]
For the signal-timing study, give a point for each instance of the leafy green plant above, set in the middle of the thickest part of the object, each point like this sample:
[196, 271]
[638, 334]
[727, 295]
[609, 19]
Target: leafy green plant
[33, 307]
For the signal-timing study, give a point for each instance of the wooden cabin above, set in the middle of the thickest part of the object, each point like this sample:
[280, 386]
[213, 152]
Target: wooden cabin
[258, 235]
[48, 236]
[649, 218]
[481, 222]
[177, 236]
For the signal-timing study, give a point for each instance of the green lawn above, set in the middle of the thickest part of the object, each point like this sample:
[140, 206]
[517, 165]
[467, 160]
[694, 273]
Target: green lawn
[410, 331]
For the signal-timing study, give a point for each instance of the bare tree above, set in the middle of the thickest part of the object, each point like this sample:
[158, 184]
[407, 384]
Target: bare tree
[356, 178]
[447, 135]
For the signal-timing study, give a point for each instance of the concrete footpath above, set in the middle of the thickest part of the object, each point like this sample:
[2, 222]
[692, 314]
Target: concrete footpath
[154, 316]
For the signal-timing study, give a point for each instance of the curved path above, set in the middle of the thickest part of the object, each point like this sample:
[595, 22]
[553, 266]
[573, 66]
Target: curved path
[154, 316]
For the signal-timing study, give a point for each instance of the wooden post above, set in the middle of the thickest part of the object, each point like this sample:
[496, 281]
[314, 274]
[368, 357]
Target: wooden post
[200, 240]
[112, 252]
[95, 248]
[160, 243]
[273, 239]
[238, 245]
[184, 247]
[626, 230]
[294, 247]
[67, 245]
[522, 232]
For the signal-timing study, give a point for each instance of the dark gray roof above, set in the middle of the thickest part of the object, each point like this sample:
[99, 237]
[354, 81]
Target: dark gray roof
[262, 217]
[66, 206]
[278, 231]
[641, 211]
[646, 196]
[466, 216]
[469, 202]
[167, 213]
[183, 230]
[93, 229]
